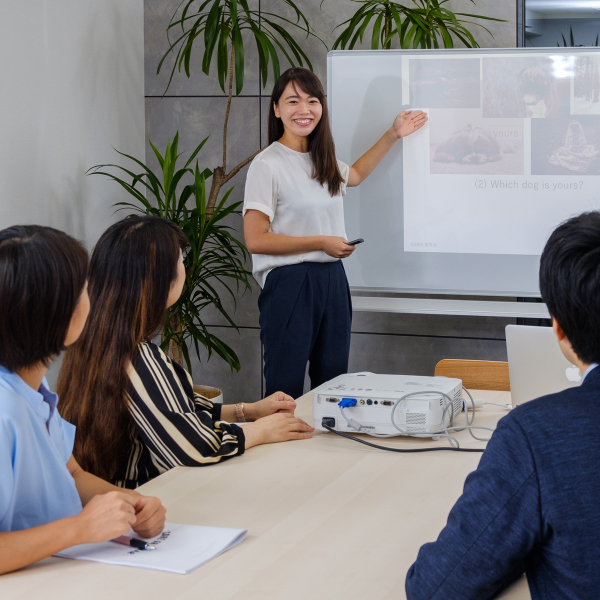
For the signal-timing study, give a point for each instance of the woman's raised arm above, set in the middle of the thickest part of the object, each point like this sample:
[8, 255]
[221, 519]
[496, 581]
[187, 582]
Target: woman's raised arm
[405, 123]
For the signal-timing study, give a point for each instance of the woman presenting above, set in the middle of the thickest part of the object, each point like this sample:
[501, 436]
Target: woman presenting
[294, 228]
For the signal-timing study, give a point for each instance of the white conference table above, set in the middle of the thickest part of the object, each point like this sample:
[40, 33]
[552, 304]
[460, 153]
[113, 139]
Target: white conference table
[327, 518]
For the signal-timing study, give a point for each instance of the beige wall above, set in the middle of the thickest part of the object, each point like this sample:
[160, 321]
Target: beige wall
[72, 88]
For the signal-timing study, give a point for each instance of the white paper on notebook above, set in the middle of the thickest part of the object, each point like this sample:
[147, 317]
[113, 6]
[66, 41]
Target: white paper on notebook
[179, 549]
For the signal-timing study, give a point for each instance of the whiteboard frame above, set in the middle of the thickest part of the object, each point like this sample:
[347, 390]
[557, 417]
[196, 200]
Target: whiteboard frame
[446, 52]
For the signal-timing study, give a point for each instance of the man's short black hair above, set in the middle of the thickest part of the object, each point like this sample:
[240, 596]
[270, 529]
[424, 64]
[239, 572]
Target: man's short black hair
[42, 274]
[570, 282]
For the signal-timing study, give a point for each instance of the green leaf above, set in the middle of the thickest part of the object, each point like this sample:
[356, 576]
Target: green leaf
[445, 35]
[212, 22]
[396, 17]
[238, 60]
[275, 62]
[376, 32]
[409, 36]
[417, 38]
[367, 19]
[159, 157]
[222, 65]
[211, 35]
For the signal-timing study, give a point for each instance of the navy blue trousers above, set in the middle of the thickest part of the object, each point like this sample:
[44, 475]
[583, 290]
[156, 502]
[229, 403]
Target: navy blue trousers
[305, 316]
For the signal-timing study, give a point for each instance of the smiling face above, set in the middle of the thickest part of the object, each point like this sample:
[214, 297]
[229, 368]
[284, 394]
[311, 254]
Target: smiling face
[299, 112]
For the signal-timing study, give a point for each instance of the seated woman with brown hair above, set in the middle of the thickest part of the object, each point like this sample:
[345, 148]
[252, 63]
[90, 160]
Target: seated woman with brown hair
[134, 408]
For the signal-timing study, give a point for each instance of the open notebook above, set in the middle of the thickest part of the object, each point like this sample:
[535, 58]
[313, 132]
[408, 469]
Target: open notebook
[179, 549]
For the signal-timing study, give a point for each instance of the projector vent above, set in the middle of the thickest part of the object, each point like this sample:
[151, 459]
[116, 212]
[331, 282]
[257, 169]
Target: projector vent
[457, 406]
[415, 422]
[415, 418]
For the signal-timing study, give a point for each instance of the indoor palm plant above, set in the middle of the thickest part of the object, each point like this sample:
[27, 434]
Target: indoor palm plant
[217, 27]
[214, 255]
[422, 24]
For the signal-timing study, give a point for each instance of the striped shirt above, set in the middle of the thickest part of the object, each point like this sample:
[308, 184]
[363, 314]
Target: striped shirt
[173, 425]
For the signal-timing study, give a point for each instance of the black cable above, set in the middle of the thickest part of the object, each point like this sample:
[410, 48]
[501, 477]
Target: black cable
[355, 439]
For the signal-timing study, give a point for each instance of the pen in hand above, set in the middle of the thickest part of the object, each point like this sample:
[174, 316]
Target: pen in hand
[134, 543]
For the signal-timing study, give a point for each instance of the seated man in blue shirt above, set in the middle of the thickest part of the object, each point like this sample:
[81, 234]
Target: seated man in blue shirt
[47, 502]
[533, 504]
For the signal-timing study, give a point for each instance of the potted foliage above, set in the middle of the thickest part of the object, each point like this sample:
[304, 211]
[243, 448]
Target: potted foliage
[214, 254]
[217, 26]
[426, 24]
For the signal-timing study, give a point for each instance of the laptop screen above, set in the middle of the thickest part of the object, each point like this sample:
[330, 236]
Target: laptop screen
[536, 364]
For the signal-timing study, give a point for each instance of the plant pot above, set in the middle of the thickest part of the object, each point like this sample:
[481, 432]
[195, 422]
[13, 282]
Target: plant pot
[212, 393]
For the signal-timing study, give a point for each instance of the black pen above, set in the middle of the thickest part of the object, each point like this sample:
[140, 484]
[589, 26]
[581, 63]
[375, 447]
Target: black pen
[129, 541]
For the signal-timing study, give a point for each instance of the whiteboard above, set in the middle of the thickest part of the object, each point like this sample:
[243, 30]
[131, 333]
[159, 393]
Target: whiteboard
[466, 204]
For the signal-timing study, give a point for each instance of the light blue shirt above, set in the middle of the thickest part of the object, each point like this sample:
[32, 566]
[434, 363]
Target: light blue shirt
[35, 485]
[587, 371]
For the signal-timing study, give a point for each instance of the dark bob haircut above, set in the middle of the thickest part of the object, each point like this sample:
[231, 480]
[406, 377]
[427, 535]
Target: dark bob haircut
[42, 275]
[320, 141]
[570, 282]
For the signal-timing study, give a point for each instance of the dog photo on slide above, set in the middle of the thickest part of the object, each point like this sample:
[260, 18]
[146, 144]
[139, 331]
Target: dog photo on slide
[566, 146]
[463, 143]
[525, 87]
[444, 82]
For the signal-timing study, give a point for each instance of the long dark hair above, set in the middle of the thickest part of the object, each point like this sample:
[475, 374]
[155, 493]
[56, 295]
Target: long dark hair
[42, 276]
[131, 272]
[320, 141]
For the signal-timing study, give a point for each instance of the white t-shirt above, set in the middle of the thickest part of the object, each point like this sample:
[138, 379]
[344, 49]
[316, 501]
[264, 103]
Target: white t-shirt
[279, 184]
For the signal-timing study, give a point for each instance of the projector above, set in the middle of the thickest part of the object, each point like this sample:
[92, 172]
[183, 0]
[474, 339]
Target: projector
[375, 397]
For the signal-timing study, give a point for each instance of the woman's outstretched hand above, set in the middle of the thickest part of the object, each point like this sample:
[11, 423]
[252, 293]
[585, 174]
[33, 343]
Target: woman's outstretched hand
[275, 403]
[408, 122]
[405, 123]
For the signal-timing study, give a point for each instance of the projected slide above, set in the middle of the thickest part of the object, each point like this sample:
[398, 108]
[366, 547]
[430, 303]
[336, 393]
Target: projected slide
[511, 149]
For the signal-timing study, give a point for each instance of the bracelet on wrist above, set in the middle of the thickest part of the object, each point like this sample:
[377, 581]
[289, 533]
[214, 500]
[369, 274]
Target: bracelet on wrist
[239, 413]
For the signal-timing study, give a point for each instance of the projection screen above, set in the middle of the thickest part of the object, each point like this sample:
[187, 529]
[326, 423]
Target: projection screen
[466, 204]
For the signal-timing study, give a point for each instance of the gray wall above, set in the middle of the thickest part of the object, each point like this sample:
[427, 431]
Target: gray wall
[384, 343]
[73, 87]
[73, 83]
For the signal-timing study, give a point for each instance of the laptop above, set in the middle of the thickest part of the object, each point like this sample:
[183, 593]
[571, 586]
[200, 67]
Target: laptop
[536, 365]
